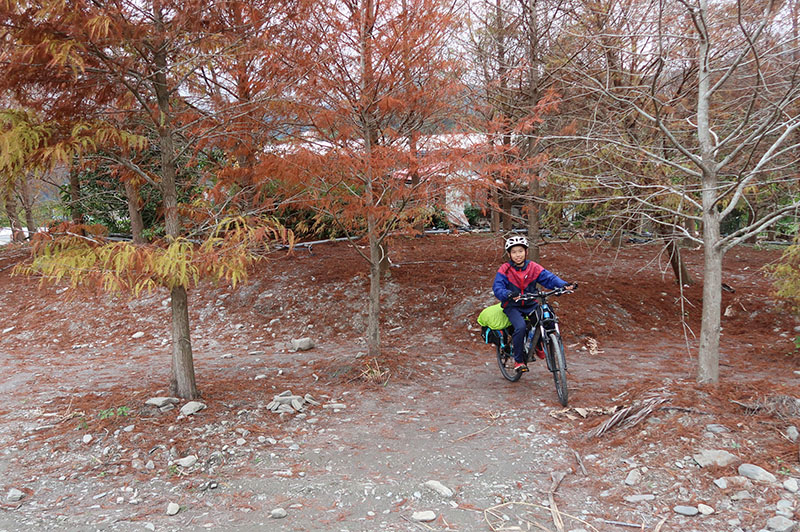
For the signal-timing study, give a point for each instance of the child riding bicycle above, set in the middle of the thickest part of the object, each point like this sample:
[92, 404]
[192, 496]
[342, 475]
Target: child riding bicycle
[515, 278]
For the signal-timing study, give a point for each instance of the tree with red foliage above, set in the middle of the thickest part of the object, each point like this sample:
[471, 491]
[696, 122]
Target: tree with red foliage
[383, 75]
[112, 79]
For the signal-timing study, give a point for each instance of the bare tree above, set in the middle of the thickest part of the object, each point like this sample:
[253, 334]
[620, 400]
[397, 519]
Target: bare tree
[713, 90]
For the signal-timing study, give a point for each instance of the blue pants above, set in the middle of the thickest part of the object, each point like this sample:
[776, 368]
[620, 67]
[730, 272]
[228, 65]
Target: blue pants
[516, 316]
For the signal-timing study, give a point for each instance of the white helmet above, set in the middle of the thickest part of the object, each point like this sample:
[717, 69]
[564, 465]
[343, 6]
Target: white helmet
[516, 241]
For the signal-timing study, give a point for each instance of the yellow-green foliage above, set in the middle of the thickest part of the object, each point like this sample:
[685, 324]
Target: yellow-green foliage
[65, 255]
[787, 275]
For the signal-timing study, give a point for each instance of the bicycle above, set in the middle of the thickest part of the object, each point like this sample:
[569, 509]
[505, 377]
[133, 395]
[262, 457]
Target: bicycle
[541, 330]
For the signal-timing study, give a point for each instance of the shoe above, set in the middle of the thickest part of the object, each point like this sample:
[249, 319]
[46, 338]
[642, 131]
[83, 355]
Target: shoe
[520, 367]
[539, 352]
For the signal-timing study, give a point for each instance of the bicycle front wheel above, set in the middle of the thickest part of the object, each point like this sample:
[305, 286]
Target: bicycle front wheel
[559, 368]
[506, 363]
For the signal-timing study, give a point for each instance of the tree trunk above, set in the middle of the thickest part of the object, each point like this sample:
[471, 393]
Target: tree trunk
[494, 205]
[506, 209]
[533, 219]
[182, 380]
[17, 234]
[708, 357]
[135, 213]
[531, 148]
[682, 275]
[27, 205]
[374, 312]
[75, 195]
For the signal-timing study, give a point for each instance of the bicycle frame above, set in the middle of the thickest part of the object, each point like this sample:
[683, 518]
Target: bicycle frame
[546, 322]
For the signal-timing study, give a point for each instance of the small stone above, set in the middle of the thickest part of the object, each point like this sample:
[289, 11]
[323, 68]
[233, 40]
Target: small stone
[192, 407]
[138, 465]
[187, 461]
[259, 377]
[754, 472]
[705, 509]
[741, 495]
[160, 402]
[780, 524]
[335, 406]
[150, 465]
[302, 344]
[310, 399]
[633, 478]
[14, 495]
[439, 488]
[792, 433]
[790, 485]
[150, 526]
[297, 404]
[278, 513]
[129, 428]
[686, 510]
[424, 516]
[137, 335]
[531, 429]
[257, 353]
[87, 438]
[639, 498]
[716, 428]
[714, 457]
[721, 483]
[240, 442]
[173, 508]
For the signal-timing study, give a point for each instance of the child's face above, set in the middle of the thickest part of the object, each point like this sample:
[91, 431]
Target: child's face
[517, 254]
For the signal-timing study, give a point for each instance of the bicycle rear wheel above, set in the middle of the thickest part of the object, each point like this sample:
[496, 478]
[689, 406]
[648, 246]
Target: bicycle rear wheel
[506, 362]
[559, 368]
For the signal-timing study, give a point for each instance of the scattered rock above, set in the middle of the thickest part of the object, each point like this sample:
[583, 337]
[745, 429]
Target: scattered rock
[138, 465]
[187, 461]
[716, 428]
[192, 407]
[335, 406]
[14, 495]
[439, 488]
[792, 433]
[686, 510]
[715, 457]
[721, 483]
[633, 478]
[790, 484]
[705, 509]
[780, 524]
[754, 472]
[87, 438]
[639, 498]
[129, 428]
[278, 513]
[302, 344]
[160, 402]
[173, 508]
[424, 516]
[741, 495]
[240, 442]
[136, 335]
[257, 353]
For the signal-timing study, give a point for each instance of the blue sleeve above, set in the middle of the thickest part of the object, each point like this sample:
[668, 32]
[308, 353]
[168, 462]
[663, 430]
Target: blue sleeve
[550, 280]
[500, 287]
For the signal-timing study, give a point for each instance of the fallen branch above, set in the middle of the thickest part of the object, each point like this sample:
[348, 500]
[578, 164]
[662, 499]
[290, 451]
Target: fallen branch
[629, 416]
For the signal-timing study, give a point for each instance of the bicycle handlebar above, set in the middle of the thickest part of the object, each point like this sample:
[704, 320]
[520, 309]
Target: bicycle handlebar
[538, 294]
